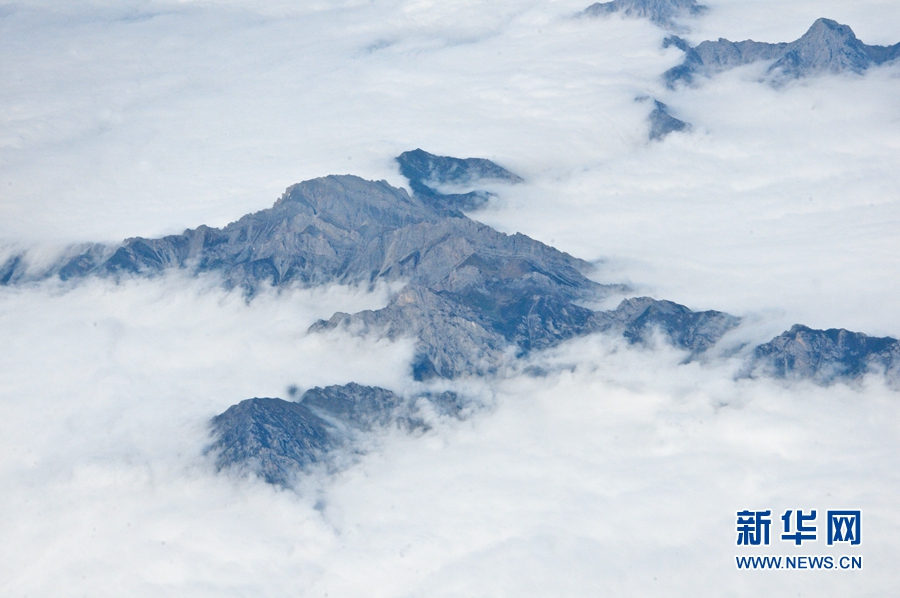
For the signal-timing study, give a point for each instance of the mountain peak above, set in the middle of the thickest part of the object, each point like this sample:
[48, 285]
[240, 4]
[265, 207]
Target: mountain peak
[826, 47]
[822, 25]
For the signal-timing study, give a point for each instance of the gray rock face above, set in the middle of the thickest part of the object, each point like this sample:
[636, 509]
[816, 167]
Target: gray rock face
[662, 122]
[827, 355]
[827, 47]
[272, 438]
[474, 298]
[662, 12]
[426, 171]
[639, 318]
[473, 295]
[278, 440]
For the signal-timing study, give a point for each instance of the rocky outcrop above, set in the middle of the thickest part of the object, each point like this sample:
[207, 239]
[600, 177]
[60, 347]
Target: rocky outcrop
[426, 172]
[827, 355]
[474, 297]
[827, 47]
[640, 318]
[277, 439]
[272, 438]
[661, 12]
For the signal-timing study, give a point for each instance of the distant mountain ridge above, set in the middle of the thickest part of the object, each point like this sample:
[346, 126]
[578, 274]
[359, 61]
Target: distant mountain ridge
[661, 12]
[827, 47]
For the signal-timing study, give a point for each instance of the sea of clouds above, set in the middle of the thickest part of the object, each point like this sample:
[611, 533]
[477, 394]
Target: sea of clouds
[619, 472]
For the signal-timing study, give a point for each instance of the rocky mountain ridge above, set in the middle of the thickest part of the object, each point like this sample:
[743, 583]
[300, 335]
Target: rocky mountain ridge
[827, 355]
[827, 47]
[473, 299]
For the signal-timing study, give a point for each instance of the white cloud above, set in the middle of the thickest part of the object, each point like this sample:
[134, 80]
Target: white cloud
[619, 467]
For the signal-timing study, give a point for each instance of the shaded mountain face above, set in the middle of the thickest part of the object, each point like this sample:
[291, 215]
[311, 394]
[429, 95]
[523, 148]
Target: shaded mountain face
[426, 171]
[464, 337]
[662, 122]
[827, 47]
[278, 440]
[272, 438]
[827, 355]
[661, 12]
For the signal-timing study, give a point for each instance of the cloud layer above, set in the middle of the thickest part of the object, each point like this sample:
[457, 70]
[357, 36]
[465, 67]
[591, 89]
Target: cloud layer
[619, 471]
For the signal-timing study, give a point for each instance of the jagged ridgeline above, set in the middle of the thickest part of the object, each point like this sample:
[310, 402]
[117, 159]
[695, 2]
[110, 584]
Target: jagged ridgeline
[475, 300]
[827, 47]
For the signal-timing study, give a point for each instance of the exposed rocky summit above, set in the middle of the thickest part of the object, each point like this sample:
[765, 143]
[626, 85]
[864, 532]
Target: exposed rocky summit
[477, 333]
[277, 439]
[827, 47]
[427, 172]
[336, 229]
[662, 122]
[662, 12]
[827, 355]
[272, 438]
